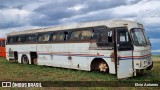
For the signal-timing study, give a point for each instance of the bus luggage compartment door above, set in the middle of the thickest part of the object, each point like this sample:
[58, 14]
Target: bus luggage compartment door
[123, 52]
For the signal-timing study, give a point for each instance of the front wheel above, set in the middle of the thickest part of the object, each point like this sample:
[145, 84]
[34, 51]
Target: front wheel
[140, 72]
[99, 65]
[103, 67]
[25, 59]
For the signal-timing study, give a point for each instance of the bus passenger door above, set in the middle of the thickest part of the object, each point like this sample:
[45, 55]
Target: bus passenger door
[124, 53]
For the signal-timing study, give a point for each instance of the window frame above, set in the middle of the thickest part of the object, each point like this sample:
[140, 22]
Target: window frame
[0, 43]
[8, 39]
[56, 33]
[90, 38]
[42, 34]
[126, 45]
[3, 43]
[81, 29]
[143, 35]
[23, 38]
[106, 43]
[27, 41]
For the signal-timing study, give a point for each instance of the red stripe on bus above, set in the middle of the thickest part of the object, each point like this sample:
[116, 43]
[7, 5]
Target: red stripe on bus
[135, 56]
[65, 53]
[70, 54]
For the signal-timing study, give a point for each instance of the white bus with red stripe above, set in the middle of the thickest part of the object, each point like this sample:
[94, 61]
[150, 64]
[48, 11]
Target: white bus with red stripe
[112, 46]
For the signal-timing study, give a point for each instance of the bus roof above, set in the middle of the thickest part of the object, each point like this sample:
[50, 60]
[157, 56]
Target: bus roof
[108, 23]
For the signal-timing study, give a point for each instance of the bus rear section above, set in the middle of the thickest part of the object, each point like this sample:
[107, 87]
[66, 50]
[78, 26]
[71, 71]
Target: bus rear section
[2, 48]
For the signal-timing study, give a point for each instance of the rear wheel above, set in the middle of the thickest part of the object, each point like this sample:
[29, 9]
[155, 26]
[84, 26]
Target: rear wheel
[25, 59]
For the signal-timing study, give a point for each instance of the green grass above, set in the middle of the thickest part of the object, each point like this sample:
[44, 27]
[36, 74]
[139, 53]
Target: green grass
[11, 71]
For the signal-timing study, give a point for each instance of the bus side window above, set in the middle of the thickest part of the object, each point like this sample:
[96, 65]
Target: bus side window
[3, 43]
[0, 43]
[86, 35]
[11, 40]
[43, 37]
[59, 36]
[95, 35]
[110, 36]
[75, 35]
[105, 38]
[81, 35]
[124, 40]
[66, 35]
[20, 39]
[53, 37]
[31, 38]
[123, 37]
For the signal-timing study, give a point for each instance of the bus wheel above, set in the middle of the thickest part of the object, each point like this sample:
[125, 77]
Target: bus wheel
[99, 65]
[140, 72]
[103, 67]
[25, 59]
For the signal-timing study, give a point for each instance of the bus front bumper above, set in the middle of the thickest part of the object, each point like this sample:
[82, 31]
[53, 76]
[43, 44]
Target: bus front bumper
[150, 67]
[141, 70]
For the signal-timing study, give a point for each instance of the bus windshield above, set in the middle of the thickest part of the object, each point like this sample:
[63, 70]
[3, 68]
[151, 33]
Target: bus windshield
[138, 36]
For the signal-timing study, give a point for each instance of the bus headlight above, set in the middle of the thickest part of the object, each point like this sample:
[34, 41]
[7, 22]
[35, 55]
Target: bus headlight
[138, 63]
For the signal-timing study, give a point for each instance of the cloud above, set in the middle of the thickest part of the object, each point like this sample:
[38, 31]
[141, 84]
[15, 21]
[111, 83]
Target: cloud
[18, 14]
[155, 43]
[25, 4]
[15, 29]
[145, 12]
[72, 11]
[7, 4]
[13, 18]
[157, 40]
[156, 50]
[49, 12]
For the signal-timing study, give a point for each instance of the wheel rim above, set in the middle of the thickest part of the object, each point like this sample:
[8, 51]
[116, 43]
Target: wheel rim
[103, 67]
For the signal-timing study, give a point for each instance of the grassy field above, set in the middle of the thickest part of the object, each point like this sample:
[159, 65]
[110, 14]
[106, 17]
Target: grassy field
[10, 71]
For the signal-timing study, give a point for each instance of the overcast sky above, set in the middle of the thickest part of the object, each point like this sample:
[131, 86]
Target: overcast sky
[18, 15]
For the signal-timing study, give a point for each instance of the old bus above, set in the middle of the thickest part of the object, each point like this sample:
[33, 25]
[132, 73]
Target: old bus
[2, 47]
[115, 46]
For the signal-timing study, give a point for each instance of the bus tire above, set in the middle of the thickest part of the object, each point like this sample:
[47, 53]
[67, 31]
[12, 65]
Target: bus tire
[140, 72]
[25, 59]
[99, 65]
